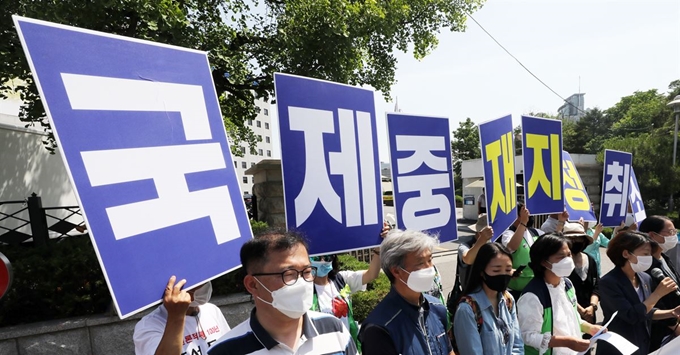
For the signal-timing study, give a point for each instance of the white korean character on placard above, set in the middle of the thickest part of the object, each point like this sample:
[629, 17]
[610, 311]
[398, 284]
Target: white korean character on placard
[413, 208]
[165, 165]
[616, 188]
[358, 177]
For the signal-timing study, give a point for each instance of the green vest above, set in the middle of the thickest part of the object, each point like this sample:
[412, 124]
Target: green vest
[538, 287]
[521, 257]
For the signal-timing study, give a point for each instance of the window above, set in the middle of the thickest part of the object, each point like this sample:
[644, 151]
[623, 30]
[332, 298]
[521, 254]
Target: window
[252, 165]
[259, 123]
[246, 193]
[269, 153]
[243, 150]
[259, 138]
[266, 112]
[266, 125]
[252, 179]
[268, 140]
[244, 164]
[250, 122]
[235, 164]
[245, 179]
[260, 151]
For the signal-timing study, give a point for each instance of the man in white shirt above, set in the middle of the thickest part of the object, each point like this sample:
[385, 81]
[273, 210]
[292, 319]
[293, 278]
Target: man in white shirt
[184, 324]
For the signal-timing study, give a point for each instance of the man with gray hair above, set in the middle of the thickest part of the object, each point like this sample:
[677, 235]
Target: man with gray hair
[407, 321]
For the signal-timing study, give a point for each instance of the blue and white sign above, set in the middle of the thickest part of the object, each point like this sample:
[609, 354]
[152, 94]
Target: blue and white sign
[331, 169]
[143, 139]
[498, 155]
[420, 157]
[576, 199]
[615, 187]
[542, 154]
[636, 199]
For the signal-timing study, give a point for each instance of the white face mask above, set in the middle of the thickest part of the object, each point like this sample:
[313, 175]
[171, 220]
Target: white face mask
[420, 280]
[293, 301]
[202, 295]
[563, 268]
[669, 242]
[643, 263]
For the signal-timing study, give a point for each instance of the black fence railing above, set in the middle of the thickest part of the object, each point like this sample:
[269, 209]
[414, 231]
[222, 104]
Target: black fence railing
[38, 221]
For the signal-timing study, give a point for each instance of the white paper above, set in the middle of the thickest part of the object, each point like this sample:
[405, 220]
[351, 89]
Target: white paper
[620, 343]
[673, 347]
[599, 334]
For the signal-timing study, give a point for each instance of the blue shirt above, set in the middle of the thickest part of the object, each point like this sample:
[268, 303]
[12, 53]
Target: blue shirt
[490, 340]
[594, 249]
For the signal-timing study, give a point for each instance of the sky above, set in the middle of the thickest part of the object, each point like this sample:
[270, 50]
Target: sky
[614, 47]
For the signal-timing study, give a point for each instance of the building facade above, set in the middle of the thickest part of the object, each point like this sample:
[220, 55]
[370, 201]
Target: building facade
[262, 128]
[573, 109]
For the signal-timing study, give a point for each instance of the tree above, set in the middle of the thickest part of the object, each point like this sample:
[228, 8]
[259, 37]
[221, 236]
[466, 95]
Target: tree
[346, 41]
[464, 146]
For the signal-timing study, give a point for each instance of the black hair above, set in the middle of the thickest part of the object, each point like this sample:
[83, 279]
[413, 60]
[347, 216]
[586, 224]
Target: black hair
[485, 254]
[628, 240]
[544, 247]
[653, 224]
[254, 253]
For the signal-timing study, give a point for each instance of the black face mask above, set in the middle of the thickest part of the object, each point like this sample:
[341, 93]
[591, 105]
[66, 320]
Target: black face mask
[498, 283]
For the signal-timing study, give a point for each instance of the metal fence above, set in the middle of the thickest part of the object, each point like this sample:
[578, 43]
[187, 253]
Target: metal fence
[43, 221]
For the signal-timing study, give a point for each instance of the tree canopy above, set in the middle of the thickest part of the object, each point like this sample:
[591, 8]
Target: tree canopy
[346, 41]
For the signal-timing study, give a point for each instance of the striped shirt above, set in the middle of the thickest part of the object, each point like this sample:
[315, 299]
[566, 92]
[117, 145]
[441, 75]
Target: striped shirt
[322, 334]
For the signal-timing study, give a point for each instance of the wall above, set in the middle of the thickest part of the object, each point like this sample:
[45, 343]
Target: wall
[97, 335]
[27, 167]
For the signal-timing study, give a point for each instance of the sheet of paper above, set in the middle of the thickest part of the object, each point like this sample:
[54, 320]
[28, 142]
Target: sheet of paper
[620, 343]
[673, 347]
[595, 337]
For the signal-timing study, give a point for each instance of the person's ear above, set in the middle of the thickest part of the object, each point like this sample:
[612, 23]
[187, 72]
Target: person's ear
[626, 254]
[250, 284]
[395, 272]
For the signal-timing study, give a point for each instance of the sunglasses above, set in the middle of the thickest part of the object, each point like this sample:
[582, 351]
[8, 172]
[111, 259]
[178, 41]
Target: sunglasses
[321, 258]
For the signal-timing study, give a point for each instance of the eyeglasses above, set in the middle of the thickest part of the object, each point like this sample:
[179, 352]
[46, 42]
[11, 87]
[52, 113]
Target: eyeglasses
[321, 258]
[290, 276]
[671, 232]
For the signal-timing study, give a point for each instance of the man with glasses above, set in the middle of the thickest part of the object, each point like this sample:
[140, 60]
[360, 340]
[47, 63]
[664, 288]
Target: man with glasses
[407, 321]
[280, 276]
[661, 230]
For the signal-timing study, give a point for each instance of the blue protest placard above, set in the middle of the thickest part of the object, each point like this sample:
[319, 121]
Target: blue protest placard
[498, 156]
[330, 164]
[615, 187]
[143, 140]
[635, 198]
[576, 198]
[542, 154]
[420, 160]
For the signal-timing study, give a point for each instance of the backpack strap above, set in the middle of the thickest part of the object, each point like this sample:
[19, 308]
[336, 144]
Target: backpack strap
[475, 309]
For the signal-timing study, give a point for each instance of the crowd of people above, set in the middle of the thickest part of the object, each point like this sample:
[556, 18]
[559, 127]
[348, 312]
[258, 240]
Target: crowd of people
[532, 291]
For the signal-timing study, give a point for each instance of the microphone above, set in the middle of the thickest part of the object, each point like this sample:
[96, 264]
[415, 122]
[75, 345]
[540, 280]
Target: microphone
[658, 275]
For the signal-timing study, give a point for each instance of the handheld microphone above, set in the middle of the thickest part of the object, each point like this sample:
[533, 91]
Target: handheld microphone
[658, 275]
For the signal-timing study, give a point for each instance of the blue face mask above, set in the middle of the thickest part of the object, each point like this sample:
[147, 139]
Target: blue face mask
[322, 267]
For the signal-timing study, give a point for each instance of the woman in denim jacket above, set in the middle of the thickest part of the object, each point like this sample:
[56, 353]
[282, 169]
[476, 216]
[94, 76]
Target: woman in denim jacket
[499, 332]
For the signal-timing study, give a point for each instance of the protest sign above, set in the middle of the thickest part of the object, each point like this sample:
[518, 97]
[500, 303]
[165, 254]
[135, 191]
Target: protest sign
[615, 187]
[577, 202]
[329, 158]
[542, 154]
[498, 156]
[420, 160]
[144, 143]
[636, 202]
